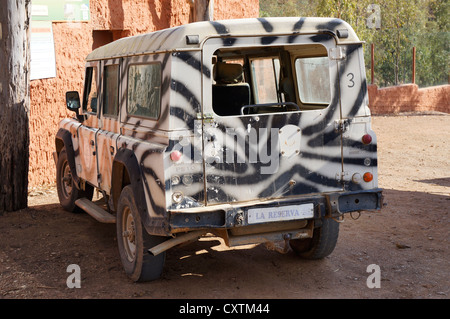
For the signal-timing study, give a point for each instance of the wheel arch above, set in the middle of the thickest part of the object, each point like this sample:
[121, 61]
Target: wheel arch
[126, 171]
[63, 139]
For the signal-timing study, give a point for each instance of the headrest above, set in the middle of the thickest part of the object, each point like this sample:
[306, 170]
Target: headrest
[227, 73]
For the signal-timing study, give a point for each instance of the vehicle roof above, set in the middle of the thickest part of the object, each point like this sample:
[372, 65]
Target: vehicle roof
[175, 38]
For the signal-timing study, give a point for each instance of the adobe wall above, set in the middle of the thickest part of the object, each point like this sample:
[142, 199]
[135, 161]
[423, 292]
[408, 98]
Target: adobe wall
[73, 41]
[409, 98]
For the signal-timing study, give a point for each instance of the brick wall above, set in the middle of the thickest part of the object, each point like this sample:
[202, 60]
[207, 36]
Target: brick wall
[409, 98]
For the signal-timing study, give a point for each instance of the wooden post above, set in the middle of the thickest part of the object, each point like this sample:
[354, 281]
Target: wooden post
[414, 66]
[372, 64]
[14, 103]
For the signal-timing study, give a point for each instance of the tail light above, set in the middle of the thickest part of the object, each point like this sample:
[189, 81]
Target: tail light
[176, 156]
[368, 177]
[367, 139]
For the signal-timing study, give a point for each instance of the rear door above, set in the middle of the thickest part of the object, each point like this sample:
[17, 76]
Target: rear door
[273, 130]
[109, 128]
[359, 141]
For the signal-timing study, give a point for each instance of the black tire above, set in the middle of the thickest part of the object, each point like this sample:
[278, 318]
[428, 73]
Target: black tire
[322, 243]
[68, 193]
[134, 241]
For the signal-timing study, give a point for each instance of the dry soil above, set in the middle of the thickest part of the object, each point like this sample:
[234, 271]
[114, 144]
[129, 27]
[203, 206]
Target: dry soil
[408, 240]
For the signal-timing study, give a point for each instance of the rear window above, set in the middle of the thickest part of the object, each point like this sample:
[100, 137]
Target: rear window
[111, 92]
[144, 90]
[313, 80]
[278, 79]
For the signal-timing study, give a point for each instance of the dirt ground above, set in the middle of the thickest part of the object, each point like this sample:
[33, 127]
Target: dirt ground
[408, 240]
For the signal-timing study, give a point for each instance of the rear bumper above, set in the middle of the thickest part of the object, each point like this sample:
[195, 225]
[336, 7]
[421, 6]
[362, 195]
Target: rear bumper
[229, 216]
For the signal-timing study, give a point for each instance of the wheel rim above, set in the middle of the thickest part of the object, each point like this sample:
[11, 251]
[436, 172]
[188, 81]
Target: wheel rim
[66, 180]
[129, 234]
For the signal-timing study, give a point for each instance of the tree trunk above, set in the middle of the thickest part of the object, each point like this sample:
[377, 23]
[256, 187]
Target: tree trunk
[202, 10]
[14, 103]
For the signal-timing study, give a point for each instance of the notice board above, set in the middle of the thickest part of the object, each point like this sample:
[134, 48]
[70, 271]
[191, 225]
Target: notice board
[42, 51]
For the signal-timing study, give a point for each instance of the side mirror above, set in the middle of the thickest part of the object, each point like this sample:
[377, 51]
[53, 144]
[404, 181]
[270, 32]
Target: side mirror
[73, 101]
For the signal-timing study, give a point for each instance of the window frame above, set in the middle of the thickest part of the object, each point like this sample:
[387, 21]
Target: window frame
[88, 85]
[297, 45]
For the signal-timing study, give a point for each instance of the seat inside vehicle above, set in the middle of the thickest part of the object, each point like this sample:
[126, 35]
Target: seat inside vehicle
[230, 93]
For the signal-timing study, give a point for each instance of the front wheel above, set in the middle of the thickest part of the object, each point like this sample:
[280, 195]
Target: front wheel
[134, 241]
[321, 244]
[68, 193]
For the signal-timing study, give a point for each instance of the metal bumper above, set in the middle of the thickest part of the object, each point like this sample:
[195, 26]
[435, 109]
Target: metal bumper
[236, 215]
[231, 221]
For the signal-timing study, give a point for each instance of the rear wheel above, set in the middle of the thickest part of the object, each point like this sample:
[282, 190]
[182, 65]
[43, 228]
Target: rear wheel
[134, 241]
[68, 193]
[321, 244]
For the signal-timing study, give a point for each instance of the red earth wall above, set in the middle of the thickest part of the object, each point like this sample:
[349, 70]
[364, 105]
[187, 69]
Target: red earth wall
[74, 41]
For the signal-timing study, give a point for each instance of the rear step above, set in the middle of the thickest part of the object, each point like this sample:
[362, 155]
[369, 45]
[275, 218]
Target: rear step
[95, 211]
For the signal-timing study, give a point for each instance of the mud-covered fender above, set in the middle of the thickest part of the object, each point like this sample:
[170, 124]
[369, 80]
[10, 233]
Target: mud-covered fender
[64, 139]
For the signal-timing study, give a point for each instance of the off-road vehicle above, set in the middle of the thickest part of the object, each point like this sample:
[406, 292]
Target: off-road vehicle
[254, 130]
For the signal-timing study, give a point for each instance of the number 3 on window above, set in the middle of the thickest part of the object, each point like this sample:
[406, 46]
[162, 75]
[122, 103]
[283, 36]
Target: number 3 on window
[350, 77]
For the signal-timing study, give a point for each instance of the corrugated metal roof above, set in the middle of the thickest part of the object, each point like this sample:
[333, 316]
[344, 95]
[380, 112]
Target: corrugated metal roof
[175, 38]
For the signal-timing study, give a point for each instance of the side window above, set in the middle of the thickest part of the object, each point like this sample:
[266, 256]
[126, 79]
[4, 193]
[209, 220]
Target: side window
[111, 93]
[266, 76]
[144, 90]
[313, 80]
[90, 97]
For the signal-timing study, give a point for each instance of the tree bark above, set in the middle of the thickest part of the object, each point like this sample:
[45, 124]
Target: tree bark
[202, 10]
[14, 103]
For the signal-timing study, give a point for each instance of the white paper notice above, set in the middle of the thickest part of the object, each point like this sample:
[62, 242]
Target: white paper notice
[42, 51]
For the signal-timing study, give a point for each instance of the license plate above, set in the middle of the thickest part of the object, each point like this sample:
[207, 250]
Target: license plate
[275, 214]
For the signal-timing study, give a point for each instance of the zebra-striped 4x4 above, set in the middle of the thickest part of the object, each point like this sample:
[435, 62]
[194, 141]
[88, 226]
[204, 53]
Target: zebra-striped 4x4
[255, 130]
